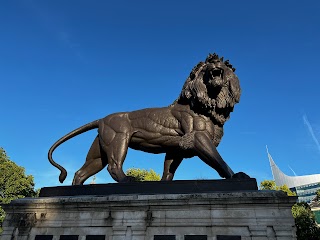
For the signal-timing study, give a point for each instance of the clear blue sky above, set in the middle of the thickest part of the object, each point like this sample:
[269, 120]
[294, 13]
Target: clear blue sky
[66, 63]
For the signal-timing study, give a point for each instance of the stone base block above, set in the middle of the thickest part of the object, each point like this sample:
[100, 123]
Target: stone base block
[245, 215]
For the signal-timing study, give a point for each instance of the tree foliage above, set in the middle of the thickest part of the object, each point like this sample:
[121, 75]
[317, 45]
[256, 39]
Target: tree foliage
[268, 185]
[271, 185]
[14, 183]
[304, 218]
[318, 195]
[307, 228]
[141, 175]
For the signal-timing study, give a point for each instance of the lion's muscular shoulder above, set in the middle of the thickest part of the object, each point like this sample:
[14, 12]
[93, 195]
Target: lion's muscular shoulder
[189, 120]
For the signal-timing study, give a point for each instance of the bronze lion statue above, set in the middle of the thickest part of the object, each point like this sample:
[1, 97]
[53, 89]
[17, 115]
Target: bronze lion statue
[191, 126]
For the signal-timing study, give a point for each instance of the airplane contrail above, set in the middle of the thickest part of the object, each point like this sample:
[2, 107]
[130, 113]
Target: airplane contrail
[310, 129]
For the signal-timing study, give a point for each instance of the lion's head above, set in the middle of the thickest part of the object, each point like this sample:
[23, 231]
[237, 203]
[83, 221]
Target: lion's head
[212, 89]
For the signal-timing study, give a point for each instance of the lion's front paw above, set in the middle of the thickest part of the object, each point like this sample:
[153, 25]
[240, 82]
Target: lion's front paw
[240, 175]
[128, 179]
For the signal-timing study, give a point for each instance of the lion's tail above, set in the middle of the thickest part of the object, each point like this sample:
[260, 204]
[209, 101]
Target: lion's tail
[85, 128]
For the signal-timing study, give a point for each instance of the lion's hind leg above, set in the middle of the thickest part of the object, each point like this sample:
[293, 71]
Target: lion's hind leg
[114, 141]
[96, 160]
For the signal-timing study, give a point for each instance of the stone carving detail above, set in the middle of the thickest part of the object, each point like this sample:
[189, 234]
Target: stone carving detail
[191, 126]
[22, 223]
[149, 217]
[23, 219]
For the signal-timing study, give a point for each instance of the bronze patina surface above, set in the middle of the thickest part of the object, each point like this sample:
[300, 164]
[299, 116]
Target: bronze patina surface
[191, 126]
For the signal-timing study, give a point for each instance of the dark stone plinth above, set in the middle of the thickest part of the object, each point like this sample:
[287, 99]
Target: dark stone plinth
[172, 187]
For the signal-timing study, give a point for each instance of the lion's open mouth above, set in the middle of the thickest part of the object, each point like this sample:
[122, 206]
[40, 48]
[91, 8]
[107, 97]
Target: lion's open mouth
[216, 77]
[216, 72]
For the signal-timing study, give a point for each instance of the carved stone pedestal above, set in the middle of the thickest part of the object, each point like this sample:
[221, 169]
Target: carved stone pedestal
[223, 215]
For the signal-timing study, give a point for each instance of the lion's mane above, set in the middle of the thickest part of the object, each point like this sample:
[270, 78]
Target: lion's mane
[215, 100]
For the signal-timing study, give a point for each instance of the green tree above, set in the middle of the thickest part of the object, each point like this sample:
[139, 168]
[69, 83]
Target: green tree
[318, 195]
[271, 185]
[14, 183]
[268, 185]
[304, 218]
[142, 175]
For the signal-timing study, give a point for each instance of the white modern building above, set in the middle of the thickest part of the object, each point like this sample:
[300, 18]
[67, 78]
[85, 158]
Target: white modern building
[305, 186]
